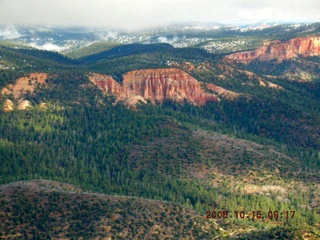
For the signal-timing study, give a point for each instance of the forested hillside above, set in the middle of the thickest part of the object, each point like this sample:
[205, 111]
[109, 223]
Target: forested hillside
[257, 152]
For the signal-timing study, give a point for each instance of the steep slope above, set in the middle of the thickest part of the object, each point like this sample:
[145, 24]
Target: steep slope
[277, 50]
[161, 84]
[156, 85]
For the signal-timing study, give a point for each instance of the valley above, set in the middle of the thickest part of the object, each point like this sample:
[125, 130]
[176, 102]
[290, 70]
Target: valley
[117, 139]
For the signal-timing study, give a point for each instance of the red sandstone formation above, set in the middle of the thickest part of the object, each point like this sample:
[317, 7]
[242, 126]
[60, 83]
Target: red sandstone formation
[277, 50]
[108, 84]
[24, 85]
[161, 84]
[156, 85]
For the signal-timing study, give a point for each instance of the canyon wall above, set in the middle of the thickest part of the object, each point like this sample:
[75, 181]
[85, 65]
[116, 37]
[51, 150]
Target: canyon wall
[277, 50]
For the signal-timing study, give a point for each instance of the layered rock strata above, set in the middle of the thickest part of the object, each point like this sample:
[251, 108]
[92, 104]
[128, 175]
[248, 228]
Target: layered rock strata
[155, 85]
[280, 50]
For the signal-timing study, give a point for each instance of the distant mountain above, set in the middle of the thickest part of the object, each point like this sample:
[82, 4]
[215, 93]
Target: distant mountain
[183, 34]
[279, 51]
[126, 50]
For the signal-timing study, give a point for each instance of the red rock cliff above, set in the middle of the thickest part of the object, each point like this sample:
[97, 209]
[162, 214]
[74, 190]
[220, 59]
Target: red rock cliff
[109, 85]
[156, 85]
[24, 85]
[277, 50]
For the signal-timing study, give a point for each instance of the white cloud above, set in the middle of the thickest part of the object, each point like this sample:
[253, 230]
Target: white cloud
[128, 14]
[168, 40]
[107, 36]
[9, 33]
[49, 47]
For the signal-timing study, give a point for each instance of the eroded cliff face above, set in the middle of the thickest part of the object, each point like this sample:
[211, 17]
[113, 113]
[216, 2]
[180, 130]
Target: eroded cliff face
[277, 50]
[155, 85]
[22, 86]
[107, 84]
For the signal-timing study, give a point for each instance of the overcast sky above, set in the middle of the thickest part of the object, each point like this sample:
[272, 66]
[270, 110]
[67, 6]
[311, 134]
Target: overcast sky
[137, 14]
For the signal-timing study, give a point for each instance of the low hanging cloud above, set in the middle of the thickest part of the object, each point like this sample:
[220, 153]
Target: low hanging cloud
[107, 35]
[49, 47]
[138, 14]
[9, 33]
[168, 40]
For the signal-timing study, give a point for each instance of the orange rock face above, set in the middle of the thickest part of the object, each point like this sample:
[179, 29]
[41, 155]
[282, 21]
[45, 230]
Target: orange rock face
[277, 50]
[160, 84]
[156, 85]
[109, 85]
[24, 85]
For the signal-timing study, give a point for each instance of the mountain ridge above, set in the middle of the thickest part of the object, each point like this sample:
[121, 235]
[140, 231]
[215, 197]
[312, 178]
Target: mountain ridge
[279, 50]
[158, 85]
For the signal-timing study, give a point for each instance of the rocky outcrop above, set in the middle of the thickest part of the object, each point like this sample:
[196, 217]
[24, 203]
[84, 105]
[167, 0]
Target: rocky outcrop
[160, 84]
[155, 85]
[8, 105]
[252, 77]
[107, 84]
[24, 85]
[21, 87]
[24, 104]
[278, 50]
[134, 100]
[227, 94]
[262, 82]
